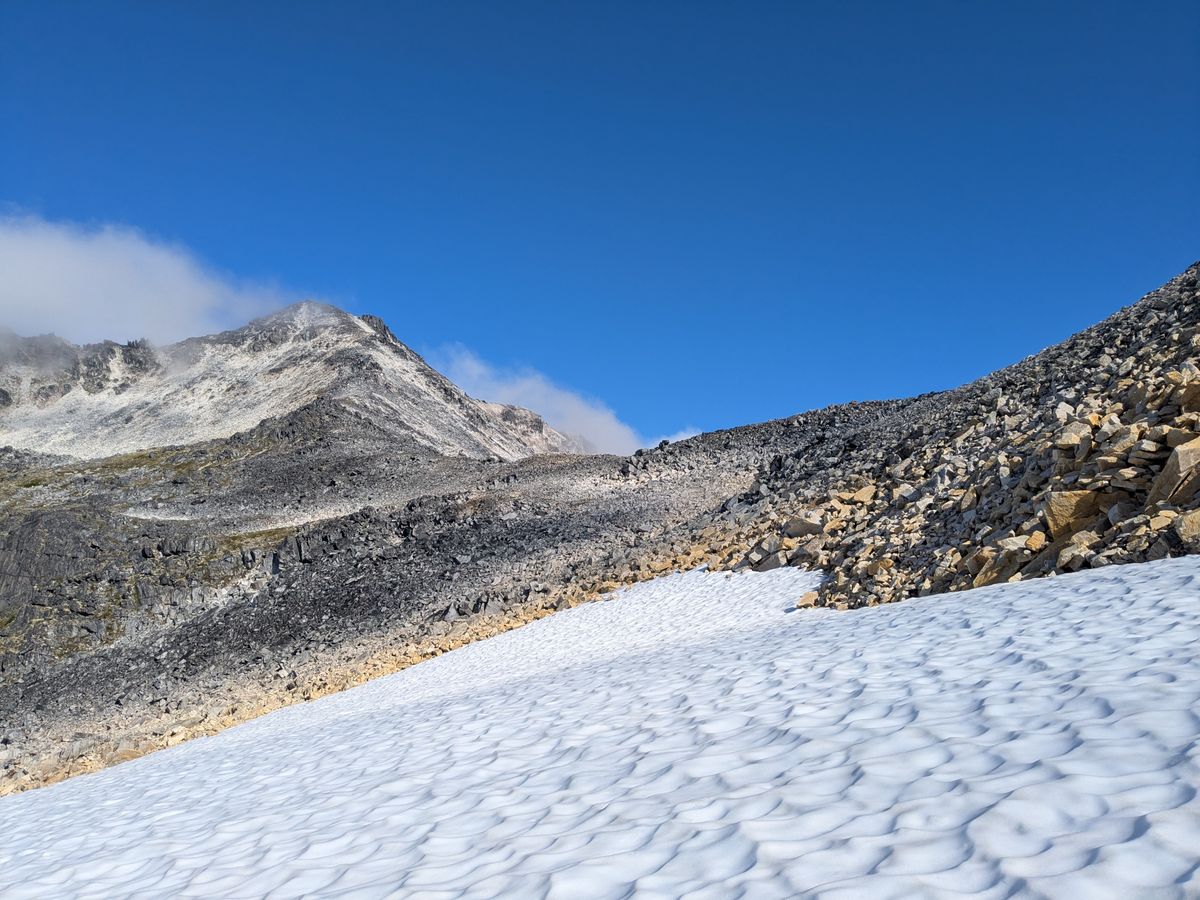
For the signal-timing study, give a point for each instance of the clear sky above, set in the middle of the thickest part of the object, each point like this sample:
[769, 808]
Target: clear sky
[699, 214]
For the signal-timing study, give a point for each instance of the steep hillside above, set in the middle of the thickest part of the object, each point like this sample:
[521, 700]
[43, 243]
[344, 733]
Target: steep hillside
[1084, 455]
[103, 399]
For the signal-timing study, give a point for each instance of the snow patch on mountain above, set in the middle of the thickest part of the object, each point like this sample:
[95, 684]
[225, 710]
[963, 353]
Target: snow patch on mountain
[694, 736]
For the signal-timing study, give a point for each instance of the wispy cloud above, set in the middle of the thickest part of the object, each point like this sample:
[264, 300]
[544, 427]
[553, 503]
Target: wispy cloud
[568, 411]
[87, 283]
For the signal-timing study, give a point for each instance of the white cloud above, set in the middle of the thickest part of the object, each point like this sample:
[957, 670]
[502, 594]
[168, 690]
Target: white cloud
[88, 283]
[566, 410]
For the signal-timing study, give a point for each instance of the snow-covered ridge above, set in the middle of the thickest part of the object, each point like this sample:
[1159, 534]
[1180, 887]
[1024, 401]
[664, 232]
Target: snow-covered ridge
[692, 735]
[108, 398]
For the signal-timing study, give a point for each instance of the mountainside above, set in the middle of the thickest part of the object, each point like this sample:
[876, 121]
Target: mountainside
[108, 398]
[1084, 455]
[152, 596]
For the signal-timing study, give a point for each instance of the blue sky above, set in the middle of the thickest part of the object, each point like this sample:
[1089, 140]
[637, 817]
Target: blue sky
[697, 214]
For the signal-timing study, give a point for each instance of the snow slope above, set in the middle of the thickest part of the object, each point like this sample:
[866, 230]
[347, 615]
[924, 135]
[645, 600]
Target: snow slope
[692, 737]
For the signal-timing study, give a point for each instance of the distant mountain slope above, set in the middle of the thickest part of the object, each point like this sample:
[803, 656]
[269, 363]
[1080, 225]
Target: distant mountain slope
[100, 399]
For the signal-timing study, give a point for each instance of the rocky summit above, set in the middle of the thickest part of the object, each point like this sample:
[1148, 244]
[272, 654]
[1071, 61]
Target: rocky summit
[108, 398]
[195, 534]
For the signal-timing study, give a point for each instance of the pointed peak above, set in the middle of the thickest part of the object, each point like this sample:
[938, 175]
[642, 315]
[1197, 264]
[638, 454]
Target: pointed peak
[306, 314]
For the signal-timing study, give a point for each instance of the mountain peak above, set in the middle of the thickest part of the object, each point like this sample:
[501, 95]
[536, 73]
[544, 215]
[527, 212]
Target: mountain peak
[106, 398]
[308, 317]
[306, 314]
[305, 317]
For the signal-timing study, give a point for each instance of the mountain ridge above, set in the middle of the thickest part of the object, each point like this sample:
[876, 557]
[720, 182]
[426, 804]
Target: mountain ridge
[100, 399]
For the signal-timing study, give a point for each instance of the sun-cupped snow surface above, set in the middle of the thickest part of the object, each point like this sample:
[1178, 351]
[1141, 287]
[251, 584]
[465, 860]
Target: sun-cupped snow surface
[692, 737]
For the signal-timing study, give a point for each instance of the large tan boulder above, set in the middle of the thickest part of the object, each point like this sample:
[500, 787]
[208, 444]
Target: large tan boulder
[1189, 400]
[1187, 528]
[808, 599]
[864, 494]
[1071, 436]
[1180, 477]
[1068, 511]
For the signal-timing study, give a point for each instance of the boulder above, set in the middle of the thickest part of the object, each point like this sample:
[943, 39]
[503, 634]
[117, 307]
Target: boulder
[880, 565]
[802, 526]
[1072, 435]
[1012, 544]
[1068, 511]
[1189, 400]
[864, 494]
[1180, 477]
[1187, 529]
[808, 553]
[774, 561]
[807, 599]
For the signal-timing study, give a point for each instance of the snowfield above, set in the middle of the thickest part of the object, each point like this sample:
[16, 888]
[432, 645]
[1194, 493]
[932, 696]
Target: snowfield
[692, 737]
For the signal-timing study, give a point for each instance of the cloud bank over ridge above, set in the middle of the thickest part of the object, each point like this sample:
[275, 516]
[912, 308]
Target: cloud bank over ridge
[92, 282]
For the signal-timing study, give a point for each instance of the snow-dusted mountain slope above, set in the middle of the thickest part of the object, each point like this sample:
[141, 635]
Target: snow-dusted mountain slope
[693, 737]
[108, 398]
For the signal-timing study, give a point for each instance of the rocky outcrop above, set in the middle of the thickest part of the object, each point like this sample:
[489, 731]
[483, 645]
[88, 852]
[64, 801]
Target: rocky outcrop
[1085, 455]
